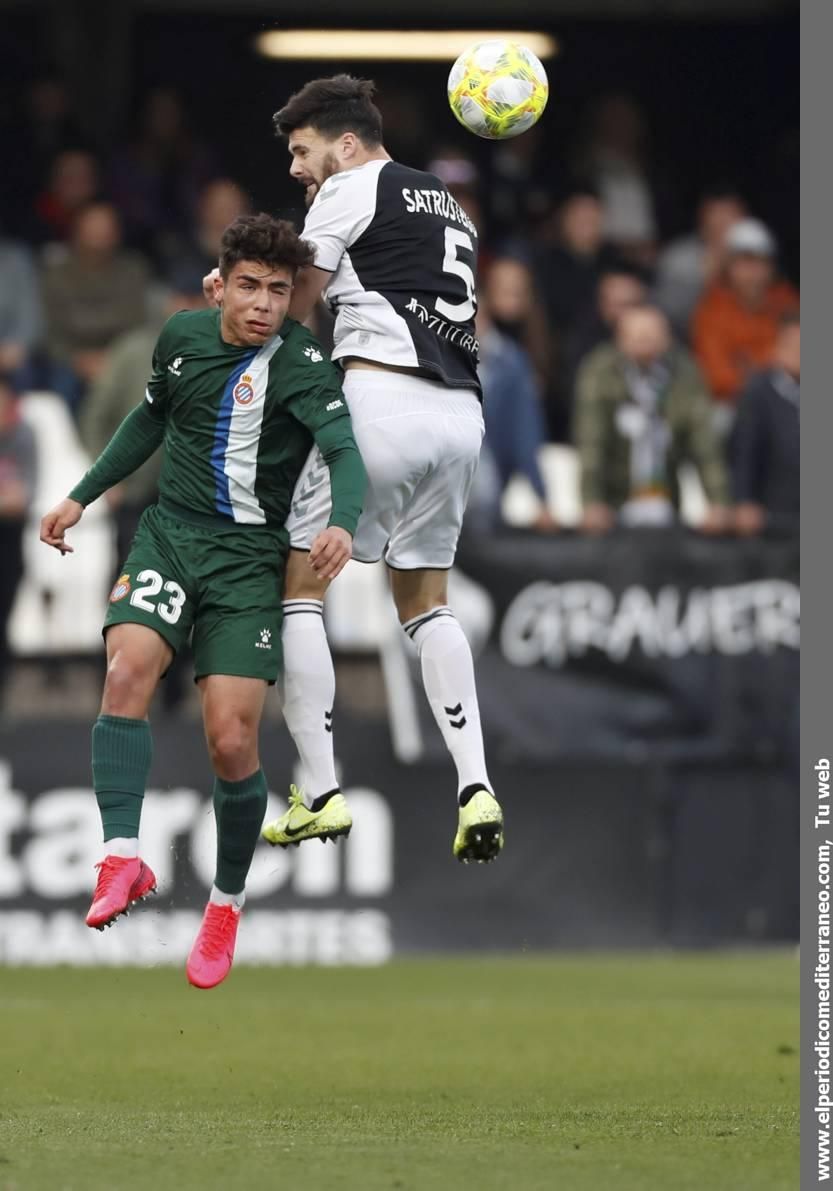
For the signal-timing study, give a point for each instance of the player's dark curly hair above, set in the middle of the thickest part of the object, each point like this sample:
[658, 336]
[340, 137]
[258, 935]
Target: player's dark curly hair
[261, 238]
[332, 107]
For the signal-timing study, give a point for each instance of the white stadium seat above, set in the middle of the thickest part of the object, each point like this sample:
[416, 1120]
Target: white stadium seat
[562, 480]
[60, 602]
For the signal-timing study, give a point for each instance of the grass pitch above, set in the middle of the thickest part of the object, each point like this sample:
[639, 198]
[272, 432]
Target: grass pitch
[520, 1074]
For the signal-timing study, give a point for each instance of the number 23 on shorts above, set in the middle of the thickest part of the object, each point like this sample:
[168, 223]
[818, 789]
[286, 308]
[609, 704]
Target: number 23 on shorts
[150, 586]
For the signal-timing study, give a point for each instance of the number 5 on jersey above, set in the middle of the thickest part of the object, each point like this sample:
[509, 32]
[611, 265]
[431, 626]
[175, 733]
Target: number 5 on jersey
[459, 312]
[170, 610]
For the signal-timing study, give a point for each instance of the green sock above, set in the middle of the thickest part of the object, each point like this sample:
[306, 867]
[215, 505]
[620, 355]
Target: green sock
[122, 751]
[239, 808]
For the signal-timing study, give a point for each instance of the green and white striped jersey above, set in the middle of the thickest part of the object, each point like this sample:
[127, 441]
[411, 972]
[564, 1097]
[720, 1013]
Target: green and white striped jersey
[239, 421]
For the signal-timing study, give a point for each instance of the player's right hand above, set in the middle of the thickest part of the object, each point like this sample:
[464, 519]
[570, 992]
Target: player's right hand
[208, 287]
[330, 552]
[57, 521]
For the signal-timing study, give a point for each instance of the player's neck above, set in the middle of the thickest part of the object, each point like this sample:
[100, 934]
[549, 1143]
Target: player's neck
[366, 155]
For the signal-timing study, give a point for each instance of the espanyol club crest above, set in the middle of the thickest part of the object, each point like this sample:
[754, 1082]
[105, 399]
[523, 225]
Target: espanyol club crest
[121, 589]
[244, 393]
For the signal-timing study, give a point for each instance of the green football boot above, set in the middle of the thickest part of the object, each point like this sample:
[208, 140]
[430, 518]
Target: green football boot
[301, 822]
[480, 828]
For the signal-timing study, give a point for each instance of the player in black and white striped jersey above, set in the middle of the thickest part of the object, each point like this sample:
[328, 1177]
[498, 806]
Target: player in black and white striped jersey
[395, 260]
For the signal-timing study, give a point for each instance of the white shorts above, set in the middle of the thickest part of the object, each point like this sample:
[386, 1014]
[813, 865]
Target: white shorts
[420, 442]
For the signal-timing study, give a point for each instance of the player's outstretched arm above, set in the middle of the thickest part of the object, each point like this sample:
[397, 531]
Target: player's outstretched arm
[57, 521]
[140, 434]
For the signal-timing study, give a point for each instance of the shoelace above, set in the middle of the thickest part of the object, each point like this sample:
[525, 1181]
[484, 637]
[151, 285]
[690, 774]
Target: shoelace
[107, 873]
[215, 931]
[296, 797]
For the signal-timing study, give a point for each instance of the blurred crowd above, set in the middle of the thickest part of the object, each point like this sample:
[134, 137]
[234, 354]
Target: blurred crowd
[638, 355]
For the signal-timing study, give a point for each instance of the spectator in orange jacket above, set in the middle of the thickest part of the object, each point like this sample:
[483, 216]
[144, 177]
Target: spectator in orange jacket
[736, 322]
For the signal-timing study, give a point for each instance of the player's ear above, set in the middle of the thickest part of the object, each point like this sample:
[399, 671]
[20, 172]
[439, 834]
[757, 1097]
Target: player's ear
[218, 288]
[349, 141]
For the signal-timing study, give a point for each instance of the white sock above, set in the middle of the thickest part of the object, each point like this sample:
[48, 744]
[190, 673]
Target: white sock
[120, 845]
[309, 687]
[448, 678]
[227, 899]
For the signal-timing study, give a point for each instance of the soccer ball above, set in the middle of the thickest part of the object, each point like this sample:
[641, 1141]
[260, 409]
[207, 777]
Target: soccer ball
[497, 89]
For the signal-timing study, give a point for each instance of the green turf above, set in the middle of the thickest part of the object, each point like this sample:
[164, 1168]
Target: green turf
[577, 1074]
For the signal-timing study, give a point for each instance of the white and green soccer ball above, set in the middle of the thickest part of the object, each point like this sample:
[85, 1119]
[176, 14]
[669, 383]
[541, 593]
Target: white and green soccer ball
[497, 89]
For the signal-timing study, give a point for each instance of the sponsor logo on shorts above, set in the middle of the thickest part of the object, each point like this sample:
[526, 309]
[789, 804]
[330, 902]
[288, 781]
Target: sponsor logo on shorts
[265, 641]
[244, 392]
[312, 353]
[121, 589]
[334, 405]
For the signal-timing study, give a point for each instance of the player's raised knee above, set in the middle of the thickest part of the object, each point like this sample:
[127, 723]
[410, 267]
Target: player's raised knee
[129, 685]
[232, 745]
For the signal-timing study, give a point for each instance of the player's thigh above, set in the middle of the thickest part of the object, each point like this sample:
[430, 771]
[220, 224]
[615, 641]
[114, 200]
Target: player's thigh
[428, 527]
[311, 503]
[393, 462]
[237, 630]
[137, 657]
[399, 448]
[154, 588]
[301, 582]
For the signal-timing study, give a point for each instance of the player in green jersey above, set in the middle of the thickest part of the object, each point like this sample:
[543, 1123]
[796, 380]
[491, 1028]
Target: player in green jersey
[238, 396]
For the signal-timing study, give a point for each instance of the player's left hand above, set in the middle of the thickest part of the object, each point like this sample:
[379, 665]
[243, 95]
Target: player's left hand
[330, 551]
[57, 521]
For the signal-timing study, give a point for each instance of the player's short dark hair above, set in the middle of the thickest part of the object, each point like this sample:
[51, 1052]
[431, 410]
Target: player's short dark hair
[273, 242]
[332, 107]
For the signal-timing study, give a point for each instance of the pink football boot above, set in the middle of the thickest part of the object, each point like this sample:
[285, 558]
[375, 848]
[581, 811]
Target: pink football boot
[121, 882]
[213, 951]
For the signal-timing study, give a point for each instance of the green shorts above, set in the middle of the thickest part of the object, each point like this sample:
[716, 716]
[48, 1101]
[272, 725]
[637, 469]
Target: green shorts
[223, 584]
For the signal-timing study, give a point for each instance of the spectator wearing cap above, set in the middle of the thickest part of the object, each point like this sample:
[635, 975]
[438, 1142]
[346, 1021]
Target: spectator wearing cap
[641, 410]
[736, 322]
[765, 450]
[690, 264]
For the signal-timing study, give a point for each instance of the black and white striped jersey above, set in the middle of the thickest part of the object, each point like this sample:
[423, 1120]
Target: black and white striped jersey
[403, 256]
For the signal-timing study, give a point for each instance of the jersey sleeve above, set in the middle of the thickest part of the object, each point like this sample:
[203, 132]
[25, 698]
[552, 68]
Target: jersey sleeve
[156, 392]
[136, 439]
[313, 393]
[343, 209]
